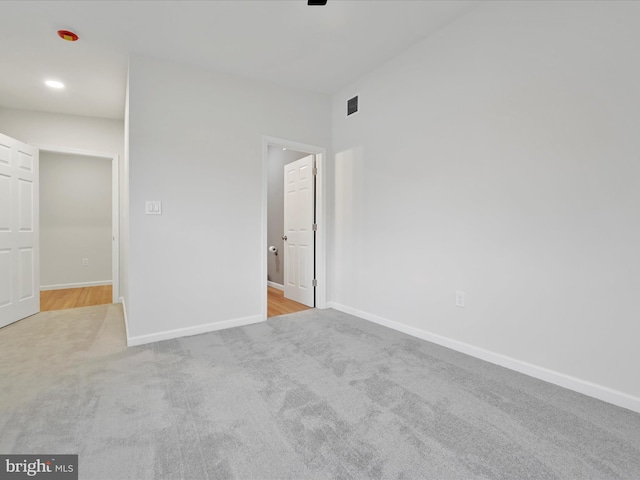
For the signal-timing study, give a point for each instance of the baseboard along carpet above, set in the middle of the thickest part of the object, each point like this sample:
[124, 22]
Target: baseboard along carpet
[312, 395]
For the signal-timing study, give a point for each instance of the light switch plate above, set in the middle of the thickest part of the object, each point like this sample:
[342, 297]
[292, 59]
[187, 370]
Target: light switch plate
[153, 207]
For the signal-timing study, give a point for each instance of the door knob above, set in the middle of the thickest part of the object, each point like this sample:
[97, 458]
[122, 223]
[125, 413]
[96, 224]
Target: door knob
[284, 237]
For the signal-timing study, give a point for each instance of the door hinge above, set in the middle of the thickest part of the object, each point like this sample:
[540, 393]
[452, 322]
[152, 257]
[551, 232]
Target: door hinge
[315, 227]
[314, 171]
[314, 283]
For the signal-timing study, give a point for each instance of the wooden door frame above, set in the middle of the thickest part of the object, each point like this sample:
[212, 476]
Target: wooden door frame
[321, 220]
[115, 208]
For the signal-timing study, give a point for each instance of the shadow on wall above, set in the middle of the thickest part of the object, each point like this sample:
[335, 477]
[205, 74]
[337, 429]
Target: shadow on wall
[349, 227]
[275, 260]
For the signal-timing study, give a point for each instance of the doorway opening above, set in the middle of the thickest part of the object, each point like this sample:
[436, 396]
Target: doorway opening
[294, 227]
[79, 228]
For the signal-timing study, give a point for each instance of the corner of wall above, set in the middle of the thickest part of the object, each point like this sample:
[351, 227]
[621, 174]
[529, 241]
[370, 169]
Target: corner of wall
[126, 320]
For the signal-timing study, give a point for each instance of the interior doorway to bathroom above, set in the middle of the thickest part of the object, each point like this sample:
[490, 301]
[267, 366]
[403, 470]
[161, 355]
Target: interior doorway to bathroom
[294, 230]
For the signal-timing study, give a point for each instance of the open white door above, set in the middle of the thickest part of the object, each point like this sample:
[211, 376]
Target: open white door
[19, 226]
[298, 227]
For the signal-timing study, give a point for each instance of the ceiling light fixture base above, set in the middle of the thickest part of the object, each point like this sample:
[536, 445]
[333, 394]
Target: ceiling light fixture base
[67, 35]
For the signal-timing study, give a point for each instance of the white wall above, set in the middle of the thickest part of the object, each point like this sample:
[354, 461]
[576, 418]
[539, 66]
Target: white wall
[276, 160]
[64, 131]
[74, 132]
[75, 220]
[500, 157]
[195, 143]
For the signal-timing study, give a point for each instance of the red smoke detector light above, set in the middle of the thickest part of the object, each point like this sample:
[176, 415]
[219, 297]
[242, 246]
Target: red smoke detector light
[67, 35]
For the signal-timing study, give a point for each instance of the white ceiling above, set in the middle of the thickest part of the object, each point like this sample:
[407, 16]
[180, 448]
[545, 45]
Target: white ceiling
[313, 48]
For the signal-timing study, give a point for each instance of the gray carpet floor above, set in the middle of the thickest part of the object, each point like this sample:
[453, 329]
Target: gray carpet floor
[312, 395]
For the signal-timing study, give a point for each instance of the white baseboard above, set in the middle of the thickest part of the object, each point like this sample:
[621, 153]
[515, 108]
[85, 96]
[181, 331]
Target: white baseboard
[195, 330]
[275, 285]
[594, 390]
[62, 286]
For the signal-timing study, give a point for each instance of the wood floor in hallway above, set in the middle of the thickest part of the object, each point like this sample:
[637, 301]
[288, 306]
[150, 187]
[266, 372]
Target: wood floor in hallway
[75, 297]
[278, 305]
[88, 296]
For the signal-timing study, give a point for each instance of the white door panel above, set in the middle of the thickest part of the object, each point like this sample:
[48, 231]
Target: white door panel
[6, 275]
[298, 226]
[19, 220]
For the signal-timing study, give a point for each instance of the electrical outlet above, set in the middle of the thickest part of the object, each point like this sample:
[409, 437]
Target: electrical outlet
[153, 207]
[85, 262]
[460, 299]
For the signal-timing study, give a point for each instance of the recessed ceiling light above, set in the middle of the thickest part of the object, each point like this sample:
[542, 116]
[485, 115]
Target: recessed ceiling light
[284, 148]
[54, 84]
